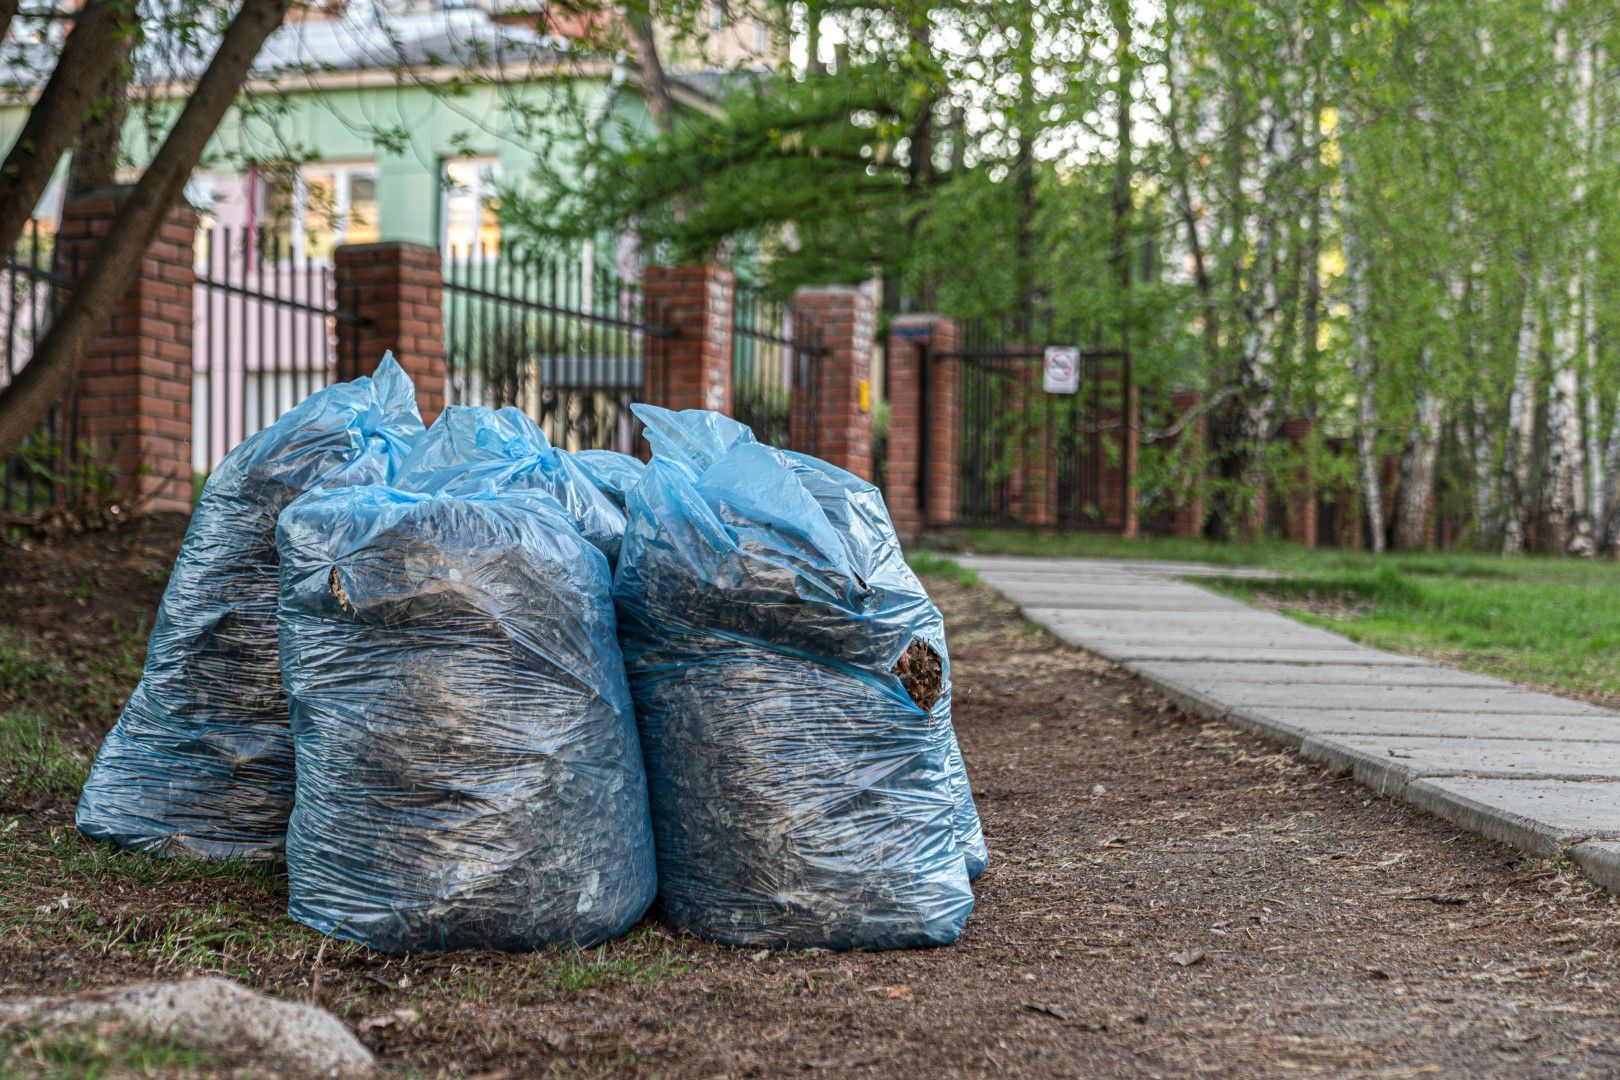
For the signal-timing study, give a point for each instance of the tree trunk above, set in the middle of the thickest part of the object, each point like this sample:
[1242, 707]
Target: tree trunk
[1521, 431]
[89, 55]
[1609, 525]
[1368, 480]
[1564, 487]
[1124, 162]
[814, 65]
[116, 260]
[1024, 175]
[654, 80]
[94, 164]
[1417, 472]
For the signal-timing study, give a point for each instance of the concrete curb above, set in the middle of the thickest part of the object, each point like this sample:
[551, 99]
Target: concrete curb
[1530, 770]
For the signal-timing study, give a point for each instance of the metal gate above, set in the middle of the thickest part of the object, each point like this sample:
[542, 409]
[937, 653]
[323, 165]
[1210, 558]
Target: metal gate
[773, 371]
[265, 335]
[567, 345]
[1029, 458]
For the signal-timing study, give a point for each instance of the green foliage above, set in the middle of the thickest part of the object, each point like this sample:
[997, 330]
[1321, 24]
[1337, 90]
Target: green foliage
[73, 477]
[1308, 209]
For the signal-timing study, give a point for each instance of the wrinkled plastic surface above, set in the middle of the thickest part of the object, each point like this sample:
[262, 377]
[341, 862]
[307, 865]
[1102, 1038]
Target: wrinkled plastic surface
[201, 761]
[471, 448]
[800, 796]
[613, 473]
[469, 774]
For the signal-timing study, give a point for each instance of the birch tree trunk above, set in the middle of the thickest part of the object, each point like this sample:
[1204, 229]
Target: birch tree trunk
[1521, 431]
[1368, 481]
[1416, 491]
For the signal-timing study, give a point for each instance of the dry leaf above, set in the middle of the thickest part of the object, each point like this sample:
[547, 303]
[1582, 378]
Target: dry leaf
[901, 992]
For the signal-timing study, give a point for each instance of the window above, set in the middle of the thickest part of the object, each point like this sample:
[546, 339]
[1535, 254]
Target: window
[762, 37]
[316, 207]
[472, 206]
[717, 17]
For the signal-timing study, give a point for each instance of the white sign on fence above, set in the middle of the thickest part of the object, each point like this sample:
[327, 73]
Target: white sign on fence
[1061, 372]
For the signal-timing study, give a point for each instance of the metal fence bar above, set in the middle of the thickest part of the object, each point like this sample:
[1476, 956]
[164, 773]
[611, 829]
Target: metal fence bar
[564, 342]
[51, 462]
[774, 371]
[265, 337]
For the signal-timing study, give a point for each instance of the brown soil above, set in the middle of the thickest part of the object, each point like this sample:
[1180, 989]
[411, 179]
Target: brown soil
[1164, 897]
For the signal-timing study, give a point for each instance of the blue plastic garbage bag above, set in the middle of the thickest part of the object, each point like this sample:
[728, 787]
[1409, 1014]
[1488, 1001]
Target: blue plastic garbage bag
[201, 761]
[471, 448]
[613, 473]
[469, 774]
[790, 679]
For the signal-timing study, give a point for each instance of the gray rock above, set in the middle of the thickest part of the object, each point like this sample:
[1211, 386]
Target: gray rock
[210, 1013]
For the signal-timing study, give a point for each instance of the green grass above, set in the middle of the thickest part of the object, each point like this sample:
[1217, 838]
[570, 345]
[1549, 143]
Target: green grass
[38, 765]
[1548, 621]
[75, 684]
[934, 565]
[87, 1054]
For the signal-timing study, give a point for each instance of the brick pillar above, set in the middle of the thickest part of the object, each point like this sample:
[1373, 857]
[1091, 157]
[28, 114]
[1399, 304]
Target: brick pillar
[839, 410]
[1299, 494]
[690, 367]
[1187, 445]
[1121, 430]
[134, 387]
[397, 289]
[923, 485]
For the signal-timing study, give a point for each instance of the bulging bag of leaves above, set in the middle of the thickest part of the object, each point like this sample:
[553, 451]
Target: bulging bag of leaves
[613, 473]
[200, 762]
[471, 448]
[792, 689]
[469, 774]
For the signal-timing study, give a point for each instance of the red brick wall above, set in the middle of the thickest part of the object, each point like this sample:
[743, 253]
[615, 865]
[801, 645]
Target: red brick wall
[398, 289]
[134, 388]
[841, 320]
[691, 367]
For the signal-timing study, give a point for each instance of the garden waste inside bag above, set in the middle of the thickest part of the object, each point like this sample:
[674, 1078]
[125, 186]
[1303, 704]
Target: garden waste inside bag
[200, 762]
[472, 448]
[468, 769]
[792, 689]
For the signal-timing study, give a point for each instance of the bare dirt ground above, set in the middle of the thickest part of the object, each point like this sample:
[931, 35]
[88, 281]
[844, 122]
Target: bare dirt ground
[1164, 898]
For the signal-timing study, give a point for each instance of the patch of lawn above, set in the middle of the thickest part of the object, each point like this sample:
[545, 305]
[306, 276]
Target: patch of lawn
[1551, 622]
[38, 765]
[934, 565]
[90, 1053]
[1548, 633]
[69, 689]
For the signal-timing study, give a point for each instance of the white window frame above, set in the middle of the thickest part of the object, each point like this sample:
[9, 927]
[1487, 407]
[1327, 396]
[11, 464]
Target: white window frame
[481, 189]
[340, 171]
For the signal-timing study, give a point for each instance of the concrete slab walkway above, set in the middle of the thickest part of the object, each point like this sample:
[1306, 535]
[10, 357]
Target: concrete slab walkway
[1533, 770]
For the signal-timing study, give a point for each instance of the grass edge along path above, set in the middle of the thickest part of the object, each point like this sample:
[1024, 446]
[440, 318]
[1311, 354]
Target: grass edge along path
[1551, 623]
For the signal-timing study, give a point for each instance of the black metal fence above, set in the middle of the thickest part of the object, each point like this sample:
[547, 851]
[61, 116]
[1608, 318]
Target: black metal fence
[1029, 456]
[773, 368]
[265, 335]
[52, 461]
[567, 345]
